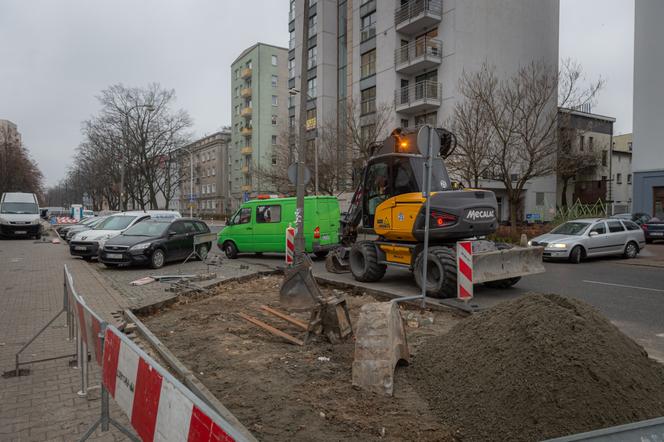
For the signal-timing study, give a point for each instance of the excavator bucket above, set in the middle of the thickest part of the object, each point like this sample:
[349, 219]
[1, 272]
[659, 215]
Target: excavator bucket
[508, 263]
[337, 260]
[299, 290]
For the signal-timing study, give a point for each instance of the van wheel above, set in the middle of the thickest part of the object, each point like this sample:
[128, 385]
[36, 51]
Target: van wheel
[364, 262]
[230, 249]
[441, 272]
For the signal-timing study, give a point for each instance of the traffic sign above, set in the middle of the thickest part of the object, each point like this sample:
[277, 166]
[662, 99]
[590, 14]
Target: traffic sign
[292, 174]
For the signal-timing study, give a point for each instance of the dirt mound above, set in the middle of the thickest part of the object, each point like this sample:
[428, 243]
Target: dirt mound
[538, 367]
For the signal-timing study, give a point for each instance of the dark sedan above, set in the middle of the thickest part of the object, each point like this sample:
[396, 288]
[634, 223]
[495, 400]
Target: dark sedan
[155, 242]
[654, 230]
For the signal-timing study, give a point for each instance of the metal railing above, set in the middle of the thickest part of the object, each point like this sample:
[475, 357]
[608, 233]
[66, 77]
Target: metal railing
[416, 7]
[426, 47]
[424, 90]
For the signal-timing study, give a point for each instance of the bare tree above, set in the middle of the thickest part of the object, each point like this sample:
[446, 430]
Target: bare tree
[573, 163]
[18, 171]
[522, 113]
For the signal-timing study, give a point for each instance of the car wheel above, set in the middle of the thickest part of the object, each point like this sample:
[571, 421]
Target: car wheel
[322, 254]
[202, 251]
[575, 255]
[87, 258]
[157, 259]
[230, 250]
[631, 250]
[111, 265]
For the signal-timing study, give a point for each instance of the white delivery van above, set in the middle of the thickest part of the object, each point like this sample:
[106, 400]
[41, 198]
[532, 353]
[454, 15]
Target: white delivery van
[19, 215]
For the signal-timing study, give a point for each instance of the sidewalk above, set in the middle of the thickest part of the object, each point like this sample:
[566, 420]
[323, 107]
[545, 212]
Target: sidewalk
[44, 405]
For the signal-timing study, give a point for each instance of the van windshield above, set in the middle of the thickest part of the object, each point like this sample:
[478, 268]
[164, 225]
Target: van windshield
[19, 208]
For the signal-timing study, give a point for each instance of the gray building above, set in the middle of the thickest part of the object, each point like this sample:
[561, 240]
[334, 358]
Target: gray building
[9, 132]
[210, 184]
[648, 147]
[408, 57]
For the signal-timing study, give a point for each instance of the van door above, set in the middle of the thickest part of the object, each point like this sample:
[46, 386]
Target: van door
[243, 230]
[269, 231]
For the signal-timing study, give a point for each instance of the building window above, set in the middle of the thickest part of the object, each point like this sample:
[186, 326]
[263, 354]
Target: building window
[368, 64]
[274, 160]
[539, 198]
[629, 178]
[368, 101]
[311, 58]
[237, 92]
[275, 101]
[214, 171]
[591, 143]
[291, 40]
[619, 178]
[274, 140]
[275, 81]
[248, 65]
[629, 146]
[313, 22]
[311, 88]
[604, 158]
[404, 122]
[291, 68]
[311, 119]
[368, 27]
[274, 60]
[291, 101]
[237, 110]
[274, 120]
[237, 74]
[582, 140]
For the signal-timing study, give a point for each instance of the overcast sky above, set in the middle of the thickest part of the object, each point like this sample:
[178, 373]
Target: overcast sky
[56, 55]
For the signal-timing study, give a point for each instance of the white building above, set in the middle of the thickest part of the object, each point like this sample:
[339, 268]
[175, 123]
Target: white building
[410, 55]
[648, 158]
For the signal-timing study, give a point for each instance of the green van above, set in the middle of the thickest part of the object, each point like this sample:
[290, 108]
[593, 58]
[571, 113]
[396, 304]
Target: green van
[260, 226]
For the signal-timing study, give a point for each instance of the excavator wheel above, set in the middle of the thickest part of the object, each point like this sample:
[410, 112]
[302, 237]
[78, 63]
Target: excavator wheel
[441, 272]
[503, 283]
[364, 262]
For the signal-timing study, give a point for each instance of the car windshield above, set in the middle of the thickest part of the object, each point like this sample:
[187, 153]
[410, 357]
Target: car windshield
[88, 221]
[147, 228]
[118, 222]
[571, 228]
[19, 208]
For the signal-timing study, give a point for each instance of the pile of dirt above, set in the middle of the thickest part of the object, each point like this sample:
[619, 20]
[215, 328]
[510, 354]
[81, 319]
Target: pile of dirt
[538, 367]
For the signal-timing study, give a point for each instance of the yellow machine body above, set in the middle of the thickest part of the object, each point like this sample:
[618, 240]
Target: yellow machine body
[395, 217]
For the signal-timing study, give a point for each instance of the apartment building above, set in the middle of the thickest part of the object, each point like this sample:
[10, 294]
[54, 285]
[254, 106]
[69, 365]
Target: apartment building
[408, 57]
[621, 173]
[207, 194]
[259, 114]
[9, 132]
[648, 161]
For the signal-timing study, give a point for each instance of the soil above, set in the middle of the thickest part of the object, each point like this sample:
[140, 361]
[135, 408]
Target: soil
[538, 367]
[281, 391]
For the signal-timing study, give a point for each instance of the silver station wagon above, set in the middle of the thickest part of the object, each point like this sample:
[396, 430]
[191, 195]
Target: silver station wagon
[583, 238]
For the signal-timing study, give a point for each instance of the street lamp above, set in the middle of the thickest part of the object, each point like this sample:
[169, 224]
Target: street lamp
[148, 108]
[293, 92]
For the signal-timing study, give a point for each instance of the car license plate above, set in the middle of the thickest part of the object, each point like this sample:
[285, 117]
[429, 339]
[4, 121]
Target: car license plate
[114, 255]
[657, 233]
[80, 248]
[20, 232]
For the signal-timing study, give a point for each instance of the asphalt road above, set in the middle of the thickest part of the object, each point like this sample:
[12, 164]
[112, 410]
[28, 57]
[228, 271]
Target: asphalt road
[631, 296]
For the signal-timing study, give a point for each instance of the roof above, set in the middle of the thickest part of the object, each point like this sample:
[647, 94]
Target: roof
[586, 114]
[252, 47]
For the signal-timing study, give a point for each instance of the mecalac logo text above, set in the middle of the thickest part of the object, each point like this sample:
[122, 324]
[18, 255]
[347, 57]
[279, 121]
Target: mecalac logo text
[475, 214]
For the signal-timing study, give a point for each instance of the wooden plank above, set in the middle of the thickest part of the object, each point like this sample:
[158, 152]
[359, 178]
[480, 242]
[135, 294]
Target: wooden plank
[286, 317]
[271, 329]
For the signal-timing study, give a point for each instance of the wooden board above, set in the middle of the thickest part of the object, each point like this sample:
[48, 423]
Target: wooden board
[269, 328]
[286, 317]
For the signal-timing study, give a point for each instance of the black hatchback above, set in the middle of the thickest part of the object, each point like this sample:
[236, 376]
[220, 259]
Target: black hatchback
[155, 242]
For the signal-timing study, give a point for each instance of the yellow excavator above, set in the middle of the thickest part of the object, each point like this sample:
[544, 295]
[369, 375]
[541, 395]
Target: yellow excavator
[385, 224]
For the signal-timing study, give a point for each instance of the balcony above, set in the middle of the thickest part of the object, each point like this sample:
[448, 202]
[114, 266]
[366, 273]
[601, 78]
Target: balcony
[246, 73]
[245, 92]
[246, 188]
[417, 15]
[247, 150]
[420, 97]
[245, 170]
[246, 131]
[246, 112]
[419, 55]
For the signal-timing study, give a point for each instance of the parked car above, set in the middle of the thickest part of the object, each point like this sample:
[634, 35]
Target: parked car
[260, 226]
[654, 230]
[19, 215]
[85, 225]
[64, 230]
[155, 242]
[582, 238]
[639, 218]
[87, 244]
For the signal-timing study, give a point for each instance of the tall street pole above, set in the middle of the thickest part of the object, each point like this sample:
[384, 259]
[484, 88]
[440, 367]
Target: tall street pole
[302, 144]
[191, 184]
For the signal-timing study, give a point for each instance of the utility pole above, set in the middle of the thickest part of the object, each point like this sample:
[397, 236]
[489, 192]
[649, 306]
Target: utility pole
[301, 157]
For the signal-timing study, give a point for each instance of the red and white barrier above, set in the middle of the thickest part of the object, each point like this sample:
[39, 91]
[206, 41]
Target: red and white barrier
[65, 220]
[290, 245]
[464, 256]
[158, 406]
[89, 325]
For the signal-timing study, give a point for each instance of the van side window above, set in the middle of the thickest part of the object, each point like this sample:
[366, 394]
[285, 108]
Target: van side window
[245, 216]
[268, 214]
[599, 228]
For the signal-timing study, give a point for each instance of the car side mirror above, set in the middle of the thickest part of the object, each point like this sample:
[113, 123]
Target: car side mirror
[593, 233]
[171, 233]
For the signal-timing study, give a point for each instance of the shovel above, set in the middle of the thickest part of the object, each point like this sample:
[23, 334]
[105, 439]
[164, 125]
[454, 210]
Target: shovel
[299, 289]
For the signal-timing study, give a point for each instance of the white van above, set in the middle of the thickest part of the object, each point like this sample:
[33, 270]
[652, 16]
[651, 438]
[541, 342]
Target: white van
[19, 215]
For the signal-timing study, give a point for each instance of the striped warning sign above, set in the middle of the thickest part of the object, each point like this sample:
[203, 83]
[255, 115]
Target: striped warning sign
[290, 245]
[464, 270]
[158, 406]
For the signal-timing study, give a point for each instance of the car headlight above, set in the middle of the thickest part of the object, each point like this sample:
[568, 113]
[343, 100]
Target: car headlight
[558, 246]
[530, 243]
[3, 221]
[35, 221]
[140, 247]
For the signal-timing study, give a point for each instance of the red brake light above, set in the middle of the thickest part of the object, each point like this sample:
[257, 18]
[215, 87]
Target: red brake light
[317, 233]
[644, 227]
[442, 219]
